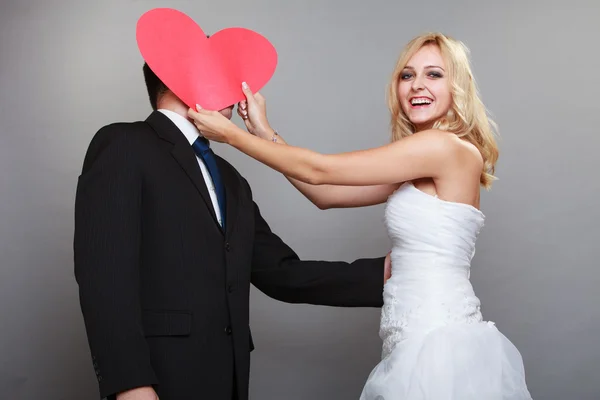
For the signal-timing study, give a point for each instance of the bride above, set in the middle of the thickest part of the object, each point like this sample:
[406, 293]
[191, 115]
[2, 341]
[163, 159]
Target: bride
[436, 344]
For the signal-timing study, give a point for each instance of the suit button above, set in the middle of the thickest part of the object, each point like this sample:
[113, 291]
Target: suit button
[228, 330]
[230, 288]
[227, 246]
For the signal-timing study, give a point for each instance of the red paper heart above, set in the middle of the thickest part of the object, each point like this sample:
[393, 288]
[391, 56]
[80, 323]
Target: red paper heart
[201, 70]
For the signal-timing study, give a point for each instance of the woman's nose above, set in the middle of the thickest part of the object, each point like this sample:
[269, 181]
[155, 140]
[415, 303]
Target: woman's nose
[418, 84]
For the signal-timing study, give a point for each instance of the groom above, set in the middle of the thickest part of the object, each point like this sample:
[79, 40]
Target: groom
[167, 241]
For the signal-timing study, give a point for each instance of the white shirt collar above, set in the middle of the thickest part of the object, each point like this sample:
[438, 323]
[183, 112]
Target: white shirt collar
[185, 126]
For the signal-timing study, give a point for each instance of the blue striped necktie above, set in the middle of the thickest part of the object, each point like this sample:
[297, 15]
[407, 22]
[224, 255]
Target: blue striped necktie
[203, 150]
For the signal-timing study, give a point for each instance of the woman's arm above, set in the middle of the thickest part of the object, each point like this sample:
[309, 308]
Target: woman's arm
[422, 155]
[426, 154]
[335, 196]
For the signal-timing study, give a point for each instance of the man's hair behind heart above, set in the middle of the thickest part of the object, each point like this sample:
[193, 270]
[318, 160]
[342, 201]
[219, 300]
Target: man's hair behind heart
[154, 85]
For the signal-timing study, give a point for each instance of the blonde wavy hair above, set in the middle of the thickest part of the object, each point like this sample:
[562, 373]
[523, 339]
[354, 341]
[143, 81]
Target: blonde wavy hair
[467, 117]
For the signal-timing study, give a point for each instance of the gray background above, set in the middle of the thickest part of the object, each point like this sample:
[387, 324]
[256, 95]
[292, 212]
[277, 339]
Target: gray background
[69, 67]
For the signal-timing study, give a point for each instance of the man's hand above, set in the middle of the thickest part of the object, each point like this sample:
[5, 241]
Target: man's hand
[387, 268]
[141, 393]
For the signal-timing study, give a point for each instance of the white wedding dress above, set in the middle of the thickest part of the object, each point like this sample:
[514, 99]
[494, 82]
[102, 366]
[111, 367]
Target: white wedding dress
[436, 345]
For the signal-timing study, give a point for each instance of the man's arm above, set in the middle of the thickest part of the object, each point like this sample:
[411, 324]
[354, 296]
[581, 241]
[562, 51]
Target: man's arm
[279, 273]
[106, 255]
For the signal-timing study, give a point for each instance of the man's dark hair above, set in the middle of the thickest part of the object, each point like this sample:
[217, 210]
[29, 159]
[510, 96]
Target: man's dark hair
[154, 85]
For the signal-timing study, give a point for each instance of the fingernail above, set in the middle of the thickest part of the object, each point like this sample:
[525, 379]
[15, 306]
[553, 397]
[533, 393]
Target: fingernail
[244, 85]
[198, 107]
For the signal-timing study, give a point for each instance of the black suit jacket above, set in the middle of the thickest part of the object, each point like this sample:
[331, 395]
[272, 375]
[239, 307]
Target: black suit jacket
[164, 291]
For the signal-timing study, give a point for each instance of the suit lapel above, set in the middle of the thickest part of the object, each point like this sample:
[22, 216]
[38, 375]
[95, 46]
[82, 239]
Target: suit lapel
[187, 160]
[183, 153]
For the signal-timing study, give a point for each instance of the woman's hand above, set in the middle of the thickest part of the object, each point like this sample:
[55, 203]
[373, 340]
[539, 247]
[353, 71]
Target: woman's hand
[212, 124]
[253, 112]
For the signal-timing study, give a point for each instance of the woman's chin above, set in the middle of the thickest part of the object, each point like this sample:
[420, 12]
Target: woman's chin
[422, 124]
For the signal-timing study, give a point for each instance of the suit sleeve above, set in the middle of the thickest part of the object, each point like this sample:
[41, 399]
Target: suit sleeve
[278, 272]
[106, 256]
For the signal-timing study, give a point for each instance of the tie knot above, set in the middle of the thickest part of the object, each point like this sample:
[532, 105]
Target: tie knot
[201, 144]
